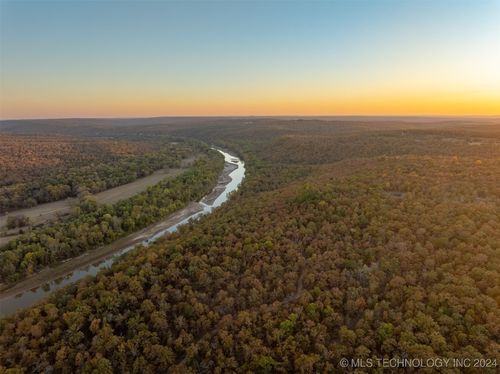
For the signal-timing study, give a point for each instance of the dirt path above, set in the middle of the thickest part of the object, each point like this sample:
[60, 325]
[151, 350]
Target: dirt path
[45, 212]
[100, 254]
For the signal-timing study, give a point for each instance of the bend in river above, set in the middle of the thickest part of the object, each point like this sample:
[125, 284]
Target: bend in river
[22, 296]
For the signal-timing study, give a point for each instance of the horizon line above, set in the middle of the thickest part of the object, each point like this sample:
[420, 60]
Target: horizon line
[438, 116]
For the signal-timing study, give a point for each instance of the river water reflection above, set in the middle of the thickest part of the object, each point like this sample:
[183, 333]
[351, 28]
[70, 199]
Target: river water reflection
[10, 304]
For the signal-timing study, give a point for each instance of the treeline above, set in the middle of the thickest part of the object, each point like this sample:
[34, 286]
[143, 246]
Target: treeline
[69, 167]
[369, 257]
[324, 148]
[95, 225]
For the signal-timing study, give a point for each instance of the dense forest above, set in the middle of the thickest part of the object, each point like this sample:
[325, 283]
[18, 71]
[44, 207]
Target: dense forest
[94, 225]
[41, 169]
[344, 241]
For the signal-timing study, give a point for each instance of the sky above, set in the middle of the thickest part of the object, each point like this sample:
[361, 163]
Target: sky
[228, 58]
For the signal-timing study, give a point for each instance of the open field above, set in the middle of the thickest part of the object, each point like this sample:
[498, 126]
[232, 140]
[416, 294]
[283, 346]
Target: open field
[43, 213]
[99, 254]
[344, 239]
[92, 225]
[40, 169]
[250, 187]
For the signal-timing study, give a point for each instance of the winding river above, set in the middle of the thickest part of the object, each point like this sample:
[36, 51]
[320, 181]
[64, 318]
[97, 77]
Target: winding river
[227, 184]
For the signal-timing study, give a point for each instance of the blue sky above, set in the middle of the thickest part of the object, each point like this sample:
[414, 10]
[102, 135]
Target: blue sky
[179, 58]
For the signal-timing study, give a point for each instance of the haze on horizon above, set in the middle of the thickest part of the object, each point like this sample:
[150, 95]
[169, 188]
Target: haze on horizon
[118, 59]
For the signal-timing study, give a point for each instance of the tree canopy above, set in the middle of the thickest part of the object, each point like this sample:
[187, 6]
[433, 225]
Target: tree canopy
[340, 243]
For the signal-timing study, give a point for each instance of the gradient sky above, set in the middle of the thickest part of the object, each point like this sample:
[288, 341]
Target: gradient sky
[112, 58]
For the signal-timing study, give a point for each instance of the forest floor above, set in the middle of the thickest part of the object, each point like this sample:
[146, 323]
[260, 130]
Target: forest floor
[43, 213]
[100, 254]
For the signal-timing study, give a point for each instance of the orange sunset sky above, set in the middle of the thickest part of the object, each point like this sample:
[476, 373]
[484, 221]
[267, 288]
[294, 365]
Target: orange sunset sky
[93, 59]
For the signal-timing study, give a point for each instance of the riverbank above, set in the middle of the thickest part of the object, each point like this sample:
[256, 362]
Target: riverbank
[43, 213]
[223, 181]
[97, 255]
[51, 275]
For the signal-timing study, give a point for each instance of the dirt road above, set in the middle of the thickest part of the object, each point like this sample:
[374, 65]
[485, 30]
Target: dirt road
[100, 254]
[45, 212]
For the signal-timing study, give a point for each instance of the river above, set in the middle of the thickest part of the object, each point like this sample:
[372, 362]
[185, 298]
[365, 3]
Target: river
[12, 302]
